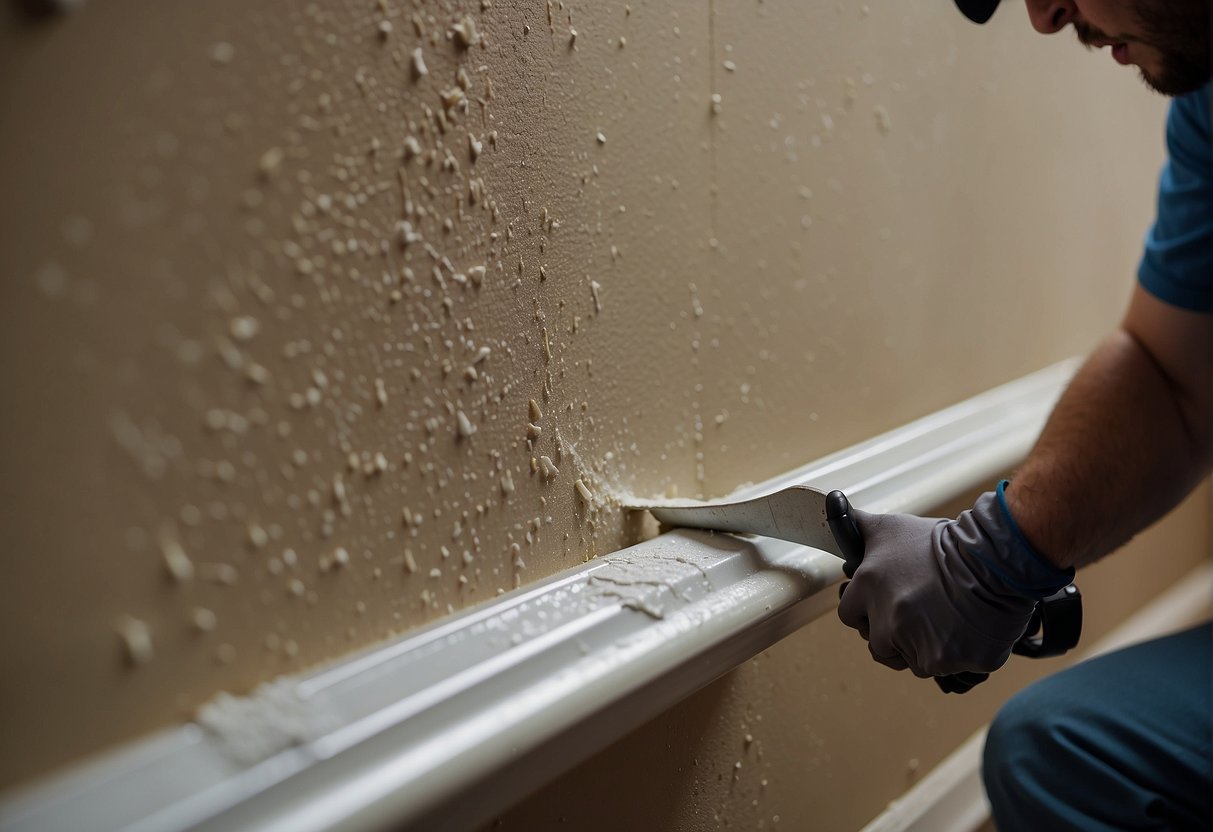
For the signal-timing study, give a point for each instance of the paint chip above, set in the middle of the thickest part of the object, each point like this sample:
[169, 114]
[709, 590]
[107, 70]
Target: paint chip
[222, 52]
[419, 68]
[464, 33]
[176, 561]
[452, 98]
[464, 426]
[220, 573]
[244, 327]
[204, 620]
[884, 122]
[270, 162]
[136, 640]
[257, 536]
[407, 235]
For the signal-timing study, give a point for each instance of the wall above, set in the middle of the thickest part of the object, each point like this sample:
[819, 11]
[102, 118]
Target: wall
[278, 300]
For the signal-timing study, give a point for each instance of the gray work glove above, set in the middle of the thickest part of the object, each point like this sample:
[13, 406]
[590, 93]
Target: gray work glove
[942, 597]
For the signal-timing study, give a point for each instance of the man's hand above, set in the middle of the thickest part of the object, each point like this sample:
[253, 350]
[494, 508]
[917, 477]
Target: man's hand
[946, 596]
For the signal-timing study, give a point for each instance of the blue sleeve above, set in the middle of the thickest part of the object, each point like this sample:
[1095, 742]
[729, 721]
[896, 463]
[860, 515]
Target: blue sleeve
[1177, 266]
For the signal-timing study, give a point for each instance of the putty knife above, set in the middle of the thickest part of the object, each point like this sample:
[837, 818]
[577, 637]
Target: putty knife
[798, 514]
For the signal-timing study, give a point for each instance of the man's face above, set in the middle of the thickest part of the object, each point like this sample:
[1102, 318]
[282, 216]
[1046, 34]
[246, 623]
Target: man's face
[1168, 40]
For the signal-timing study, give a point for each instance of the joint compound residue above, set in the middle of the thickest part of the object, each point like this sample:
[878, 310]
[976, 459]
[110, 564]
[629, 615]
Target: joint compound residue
[649, 583]
[273, 718]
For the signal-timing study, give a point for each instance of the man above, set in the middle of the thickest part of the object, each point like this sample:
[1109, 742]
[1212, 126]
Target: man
[1121, 741]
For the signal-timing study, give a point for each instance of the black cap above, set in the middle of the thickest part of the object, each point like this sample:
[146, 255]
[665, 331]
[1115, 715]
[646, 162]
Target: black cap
[979, 11]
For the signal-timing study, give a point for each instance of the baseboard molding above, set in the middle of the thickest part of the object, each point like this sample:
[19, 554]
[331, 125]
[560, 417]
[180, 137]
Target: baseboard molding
[951, 799]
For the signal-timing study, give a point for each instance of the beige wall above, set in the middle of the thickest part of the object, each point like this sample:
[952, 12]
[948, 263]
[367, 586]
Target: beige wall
[218, 348]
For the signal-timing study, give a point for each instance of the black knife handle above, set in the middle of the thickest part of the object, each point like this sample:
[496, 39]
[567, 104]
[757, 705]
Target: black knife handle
[845, 529]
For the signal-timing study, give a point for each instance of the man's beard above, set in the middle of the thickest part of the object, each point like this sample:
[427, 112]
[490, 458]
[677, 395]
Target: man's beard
[1178, 30]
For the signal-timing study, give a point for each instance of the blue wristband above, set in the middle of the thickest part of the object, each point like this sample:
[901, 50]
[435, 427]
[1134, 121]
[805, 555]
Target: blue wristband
[1010, 555]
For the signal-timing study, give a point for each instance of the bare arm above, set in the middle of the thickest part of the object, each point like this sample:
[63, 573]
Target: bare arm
[1128, 440]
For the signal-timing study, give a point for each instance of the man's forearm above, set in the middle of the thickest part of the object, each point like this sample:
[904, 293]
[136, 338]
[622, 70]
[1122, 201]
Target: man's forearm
[1121, 448]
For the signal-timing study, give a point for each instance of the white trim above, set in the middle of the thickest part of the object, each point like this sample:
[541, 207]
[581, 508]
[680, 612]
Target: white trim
[951, 798]
[499, 699]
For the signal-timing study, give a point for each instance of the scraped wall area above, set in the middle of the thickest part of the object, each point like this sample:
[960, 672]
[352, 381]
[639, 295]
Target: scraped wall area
[323, 320]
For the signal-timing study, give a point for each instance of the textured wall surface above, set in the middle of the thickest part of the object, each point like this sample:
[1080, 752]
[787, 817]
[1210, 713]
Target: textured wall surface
[315, 314]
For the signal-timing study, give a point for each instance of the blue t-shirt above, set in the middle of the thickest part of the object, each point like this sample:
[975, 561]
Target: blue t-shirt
[1177, 266]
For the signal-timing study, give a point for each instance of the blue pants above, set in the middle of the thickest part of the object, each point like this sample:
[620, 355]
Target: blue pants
[1116, 743]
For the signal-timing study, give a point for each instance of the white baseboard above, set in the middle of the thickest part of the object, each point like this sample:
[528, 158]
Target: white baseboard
[951, 798]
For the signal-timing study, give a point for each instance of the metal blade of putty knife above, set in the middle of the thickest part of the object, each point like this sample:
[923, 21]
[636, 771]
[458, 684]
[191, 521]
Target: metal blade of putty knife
[798, 514]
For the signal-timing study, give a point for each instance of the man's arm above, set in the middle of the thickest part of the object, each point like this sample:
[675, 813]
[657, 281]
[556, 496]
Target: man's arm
[1128, 440]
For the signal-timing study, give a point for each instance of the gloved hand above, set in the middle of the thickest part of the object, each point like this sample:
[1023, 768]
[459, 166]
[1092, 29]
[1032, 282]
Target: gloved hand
[946, 596]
